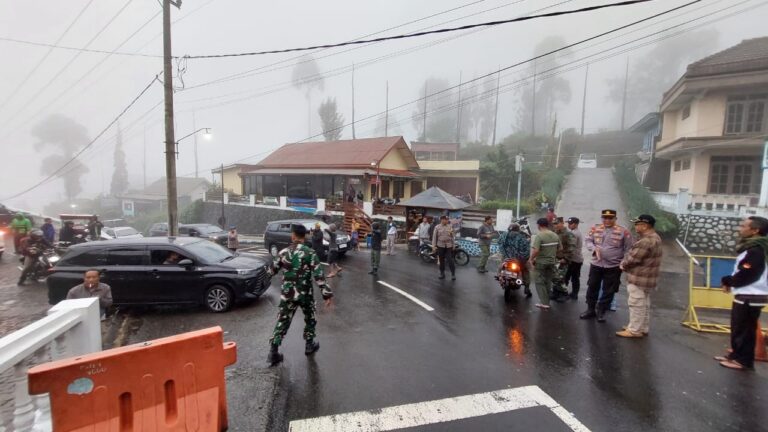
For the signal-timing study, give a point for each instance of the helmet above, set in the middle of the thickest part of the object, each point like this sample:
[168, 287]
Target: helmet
[513, 227]
[36, 234]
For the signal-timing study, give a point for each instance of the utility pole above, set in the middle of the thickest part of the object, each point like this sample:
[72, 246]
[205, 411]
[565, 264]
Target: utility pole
[496, 109]
[584, 100]
[533, 105]
[458, 115]
[425, 111]
[386, 113]
[519, 168]
[222, 219]
[624, 98]
[353, 102]
[559, 145]
[145, 156]
[170, 139]
[194, 128]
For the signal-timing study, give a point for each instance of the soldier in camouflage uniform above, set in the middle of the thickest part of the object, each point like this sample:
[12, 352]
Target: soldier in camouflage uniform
[300, 266]
[564, 256]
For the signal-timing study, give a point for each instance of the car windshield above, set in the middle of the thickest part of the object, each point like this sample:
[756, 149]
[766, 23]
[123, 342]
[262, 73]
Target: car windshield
[122, 232]
[587, 156]
[209, 252]
[208, 229]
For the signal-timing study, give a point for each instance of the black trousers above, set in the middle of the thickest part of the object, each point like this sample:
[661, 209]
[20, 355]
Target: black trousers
[744, 333]
[573, 276]
[609, 278]
[446, 254]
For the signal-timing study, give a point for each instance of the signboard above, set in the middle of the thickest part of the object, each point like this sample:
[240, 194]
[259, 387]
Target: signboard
[354, 180]
[504, 218]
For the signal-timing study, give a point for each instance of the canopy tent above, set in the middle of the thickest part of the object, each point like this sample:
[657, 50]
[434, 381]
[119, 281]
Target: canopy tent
[435, 198]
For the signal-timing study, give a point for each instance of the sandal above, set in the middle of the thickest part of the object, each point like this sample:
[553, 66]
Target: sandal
[732, 364]
[721, 358]
[542, 306]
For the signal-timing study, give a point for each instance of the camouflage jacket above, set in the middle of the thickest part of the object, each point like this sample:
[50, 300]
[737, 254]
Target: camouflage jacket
[568, 240]
[300, 266]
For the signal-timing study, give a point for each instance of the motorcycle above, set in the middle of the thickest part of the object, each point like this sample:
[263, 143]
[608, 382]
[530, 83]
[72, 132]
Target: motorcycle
[510, 277]
[524, 227]
[460, 256]
[44, 261]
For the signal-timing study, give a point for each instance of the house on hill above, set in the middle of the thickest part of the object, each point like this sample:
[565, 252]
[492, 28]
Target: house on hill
[154, 196]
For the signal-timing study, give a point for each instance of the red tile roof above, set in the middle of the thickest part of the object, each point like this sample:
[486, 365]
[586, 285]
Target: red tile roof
[357, 153]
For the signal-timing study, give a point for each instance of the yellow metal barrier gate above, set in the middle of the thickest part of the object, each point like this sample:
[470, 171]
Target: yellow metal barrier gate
[710, 295]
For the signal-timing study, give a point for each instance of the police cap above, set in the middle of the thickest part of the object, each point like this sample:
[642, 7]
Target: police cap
[608, 213]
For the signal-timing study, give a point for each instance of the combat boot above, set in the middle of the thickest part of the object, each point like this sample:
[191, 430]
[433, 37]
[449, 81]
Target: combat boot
[274, 357]
[588, 314]
[528, 292]
[600, 315]
[311, 347]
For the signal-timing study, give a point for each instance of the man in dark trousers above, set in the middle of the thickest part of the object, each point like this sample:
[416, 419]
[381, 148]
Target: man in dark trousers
[375, 248]
[750, 288]
[443, 242]
[608, 243]
[300, 267]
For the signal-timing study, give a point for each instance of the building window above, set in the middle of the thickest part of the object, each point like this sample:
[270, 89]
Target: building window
[399, 189]
[677, 165]
[746, 114]
[686, 164]
[686, 112]
[739, 175]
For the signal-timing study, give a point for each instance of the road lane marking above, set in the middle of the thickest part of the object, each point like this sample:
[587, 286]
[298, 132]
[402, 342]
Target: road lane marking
[408, 296]
[438, 411]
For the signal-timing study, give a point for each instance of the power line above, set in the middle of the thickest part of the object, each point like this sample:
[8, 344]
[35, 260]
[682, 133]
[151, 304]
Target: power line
[76, 155]
[45, 57]
[70, 62]
[71, 48]
[424, 33]
[568, 46]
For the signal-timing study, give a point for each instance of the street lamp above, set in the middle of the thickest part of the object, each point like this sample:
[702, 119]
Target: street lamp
[377, 164]
[206, 134]
[171, 165]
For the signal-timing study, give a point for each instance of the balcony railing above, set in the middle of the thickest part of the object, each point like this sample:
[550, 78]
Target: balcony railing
[684, 202]
[71, 328]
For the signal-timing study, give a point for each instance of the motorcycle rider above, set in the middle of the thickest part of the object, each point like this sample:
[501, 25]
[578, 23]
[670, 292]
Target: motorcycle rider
[67, 233]
[514, 244]
[20, 227]
[32, 247]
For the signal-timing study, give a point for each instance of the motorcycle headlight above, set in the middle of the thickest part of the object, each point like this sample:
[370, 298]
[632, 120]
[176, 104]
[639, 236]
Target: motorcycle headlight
[325, 243]
[53, 259]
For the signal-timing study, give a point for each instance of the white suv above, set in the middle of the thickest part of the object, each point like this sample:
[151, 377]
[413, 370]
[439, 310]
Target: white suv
[587, 160]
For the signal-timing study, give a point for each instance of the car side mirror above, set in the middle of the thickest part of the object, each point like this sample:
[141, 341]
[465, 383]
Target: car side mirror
[186, 263]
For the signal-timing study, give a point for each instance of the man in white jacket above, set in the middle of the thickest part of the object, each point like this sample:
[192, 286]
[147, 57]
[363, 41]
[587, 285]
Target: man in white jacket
[749, 283]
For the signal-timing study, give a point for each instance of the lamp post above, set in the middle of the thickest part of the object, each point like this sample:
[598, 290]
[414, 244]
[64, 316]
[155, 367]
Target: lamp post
[377, 164]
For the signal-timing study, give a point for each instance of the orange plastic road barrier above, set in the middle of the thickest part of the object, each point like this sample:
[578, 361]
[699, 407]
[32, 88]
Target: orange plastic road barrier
[170, 384]
[760, 354]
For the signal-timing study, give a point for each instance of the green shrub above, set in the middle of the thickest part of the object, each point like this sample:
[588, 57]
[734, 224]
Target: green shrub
[639, 201]
[552, 184]
[526, 206]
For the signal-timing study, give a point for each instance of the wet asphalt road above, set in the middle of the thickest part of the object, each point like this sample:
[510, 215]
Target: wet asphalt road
[380, 349]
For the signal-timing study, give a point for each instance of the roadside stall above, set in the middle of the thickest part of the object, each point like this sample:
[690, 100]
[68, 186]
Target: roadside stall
[433, 202]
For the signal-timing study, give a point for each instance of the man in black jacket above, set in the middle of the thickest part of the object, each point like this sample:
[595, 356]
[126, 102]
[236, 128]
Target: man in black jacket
[749, 283]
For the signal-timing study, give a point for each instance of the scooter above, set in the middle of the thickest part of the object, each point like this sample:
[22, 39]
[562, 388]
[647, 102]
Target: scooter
[44, 261]
[510, 277]
[460, 256]
[524, 227]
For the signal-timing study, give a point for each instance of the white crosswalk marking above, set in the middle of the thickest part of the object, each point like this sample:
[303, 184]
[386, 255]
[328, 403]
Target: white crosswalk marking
[438, 411]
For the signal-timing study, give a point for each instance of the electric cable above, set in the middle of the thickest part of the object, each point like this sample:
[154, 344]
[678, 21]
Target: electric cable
[71, 48]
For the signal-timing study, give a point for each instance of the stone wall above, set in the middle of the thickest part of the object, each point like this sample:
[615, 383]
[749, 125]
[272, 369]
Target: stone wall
[709, 234]
[248, 220]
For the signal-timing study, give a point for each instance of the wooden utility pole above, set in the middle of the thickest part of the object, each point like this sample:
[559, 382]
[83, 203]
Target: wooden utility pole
[353, 102]
[584, 100]
[624, 97]
[386, 112]
[170, 139]
[533, 106]
[458, 114]
[496, 109]
[425, 111]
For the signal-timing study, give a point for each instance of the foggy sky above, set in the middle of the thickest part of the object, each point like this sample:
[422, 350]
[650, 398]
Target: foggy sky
[256, 125]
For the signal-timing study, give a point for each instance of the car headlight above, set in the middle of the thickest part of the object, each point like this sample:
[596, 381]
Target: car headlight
[246, 272]
[53, 259]
[325, 243]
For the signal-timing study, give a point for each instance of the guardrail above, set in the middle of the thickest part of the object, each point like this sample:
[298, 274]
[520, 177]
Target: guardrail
[71, 328]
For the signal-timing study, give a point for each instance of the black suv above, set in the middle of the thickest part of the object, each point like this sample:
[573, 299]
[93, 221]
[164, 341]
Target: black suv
[206, 231]
[278, 235]
[143, 271]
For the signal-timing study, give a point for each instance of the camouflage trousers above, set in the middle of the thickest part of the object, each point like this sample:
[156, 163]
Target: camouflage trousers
[559, 282]
[287, 309]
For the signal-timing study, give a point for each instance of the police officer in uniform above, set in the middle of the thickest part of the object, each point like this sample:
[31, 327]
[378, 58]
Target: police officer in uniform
[564, 256]
[608, 243]
[300, 266]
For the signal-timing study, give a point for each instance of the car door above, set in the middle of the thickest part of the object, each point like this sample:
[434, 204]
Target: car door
[170, 282]
[126, 270]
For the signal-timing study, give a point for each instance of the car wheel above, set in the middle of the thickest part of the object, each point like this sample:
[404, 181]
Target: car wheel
[218, 298]
[273, 250]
